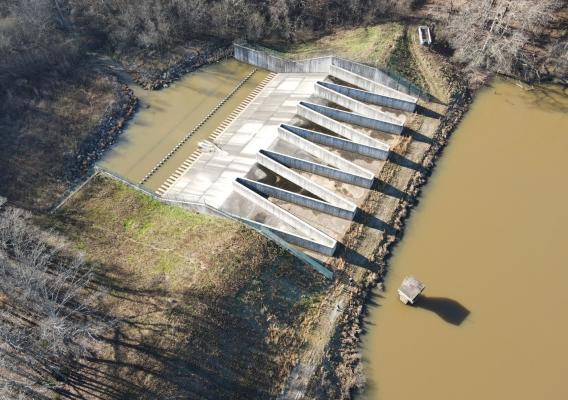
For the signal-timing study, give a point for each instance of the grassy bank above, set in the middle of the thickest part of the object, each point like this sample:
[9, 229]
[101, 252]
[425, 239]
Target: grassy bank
[373, 44]
[206, 307]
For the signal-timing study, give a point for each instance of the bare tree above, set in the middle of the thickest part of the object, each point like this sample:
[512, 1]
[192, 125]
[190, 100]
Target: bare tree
[48, 309]
[496, 34]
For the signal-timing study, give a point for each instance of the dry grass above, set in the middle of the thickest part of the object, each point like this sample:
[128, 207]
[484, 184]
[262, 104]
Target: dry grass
[371, 45]
[208, 308]
[41, 128]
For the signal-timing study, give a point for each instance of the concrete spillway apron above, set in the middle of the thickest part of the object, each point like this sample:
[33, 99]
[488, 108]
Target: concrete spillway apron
[350, 172]
[322, 116]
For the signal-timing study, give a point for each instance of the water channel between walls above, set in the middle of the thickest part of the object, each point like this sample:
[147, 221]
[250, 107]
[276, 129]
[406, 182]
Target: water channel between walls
[489, 240]
[166, 116]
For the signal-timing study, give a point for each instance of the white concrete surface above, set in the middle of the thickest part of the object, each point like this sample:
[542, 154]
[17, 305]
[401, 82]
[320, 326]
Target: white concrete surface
[211, 177]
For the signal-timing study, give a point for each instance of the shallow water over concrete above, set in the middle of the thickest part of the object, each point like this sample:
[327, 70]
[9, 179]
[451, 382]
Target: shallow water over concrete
[167, 115]
[489, 239]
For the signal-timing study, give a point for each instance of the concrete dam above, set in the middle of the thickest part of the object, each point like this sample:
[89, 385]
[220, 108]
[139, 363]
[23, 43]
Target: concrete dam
[298, 156]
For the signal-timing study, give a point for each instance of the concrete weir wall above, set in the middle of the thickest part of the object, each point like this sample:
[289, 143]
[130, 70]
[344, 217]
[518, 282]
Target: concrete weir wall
[295, 198]
[358, 175]
[371, 97]
[380, 150]
[314, 238]
[328, 92]
[356, 119]
[335, 142]
[315, 168]
[268, 159]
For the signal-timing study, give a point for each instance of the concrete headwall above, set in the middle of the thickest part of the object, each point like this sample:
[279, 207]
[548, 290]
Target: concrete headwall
[274, 63]
[315, 237]
[277, 64]
[328, 92]
[362, 176]
[338, 143]
[295, 198]
[372, 97]
[265, 159]
[352, 118]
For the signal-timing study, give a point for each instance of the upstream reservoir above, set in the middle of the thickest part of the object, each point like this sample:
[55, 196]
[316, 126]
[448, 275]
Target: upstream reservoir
[490, 241]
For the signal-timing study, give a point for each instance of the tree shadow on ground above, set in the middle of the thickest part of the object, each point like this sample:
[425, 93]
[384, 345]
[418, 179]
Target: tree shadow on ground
[449, 310]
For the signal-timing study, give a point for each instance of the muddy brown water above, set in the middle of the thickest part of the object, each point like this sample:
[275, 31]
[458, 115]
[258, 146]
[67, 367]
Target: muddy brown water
[490, 241]
[167, 115]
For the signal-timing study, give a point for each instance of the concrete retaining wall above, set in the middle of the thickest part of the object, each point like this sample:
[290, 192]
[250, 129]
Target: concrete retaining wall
[370, 97]
[338, 143]
[295, 198]
[264, 158]
[276, 64]
[354, 119]
[311, 234]
[317, 169]
[362, 176]
[325, 91]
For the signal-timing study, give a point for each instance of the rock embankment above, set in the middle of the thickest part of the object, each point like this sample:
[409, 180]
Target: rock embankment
[155, 78]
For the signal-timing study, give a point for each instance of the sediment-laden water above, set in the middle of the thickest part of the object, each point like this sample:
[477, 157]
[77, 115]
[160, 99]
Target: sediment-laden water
[167, 115]
[490, 241]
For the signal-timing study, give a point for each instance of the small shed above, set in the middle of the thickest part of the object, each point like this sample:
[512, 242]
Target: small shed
[424, 35]
[410, 289]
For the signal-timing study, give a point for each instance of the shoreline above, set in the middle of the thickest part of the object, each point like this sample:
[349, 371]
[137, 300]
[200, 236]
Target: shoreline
[344, 350]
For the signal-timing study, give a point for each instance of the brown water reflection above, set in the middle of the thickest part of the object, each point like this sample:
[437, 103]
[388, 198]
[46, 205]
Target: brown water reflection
[489, 240]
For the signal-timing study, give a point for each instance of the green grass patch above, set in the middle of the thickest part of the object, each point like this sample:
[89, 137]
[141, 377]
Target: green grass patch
[372, 44]
[402, 62]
